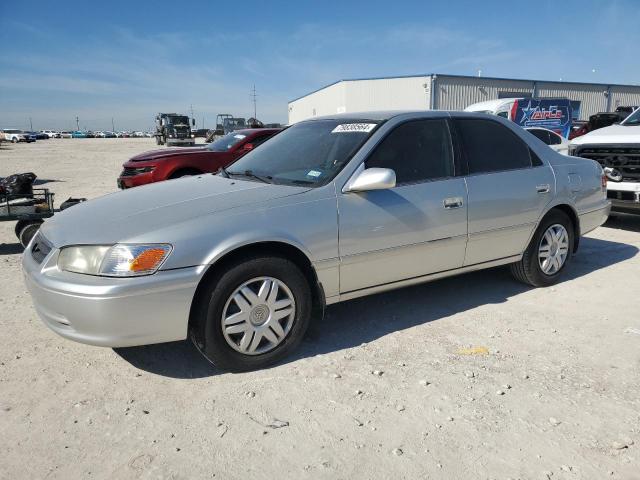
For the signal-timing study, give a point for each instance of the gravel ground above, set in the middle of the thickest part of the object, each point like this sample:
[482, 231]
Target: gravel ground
[470, 377]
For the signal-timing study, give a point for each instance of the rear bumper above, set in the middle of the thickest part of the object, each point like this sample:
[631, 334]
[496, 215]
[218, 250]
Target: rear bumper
[111, 312]
[593, 219]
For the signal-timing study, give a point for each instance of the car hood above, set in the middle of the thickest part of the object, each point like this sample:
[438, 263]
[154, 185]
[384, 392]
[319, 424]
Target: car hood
[128, 214]
[166, 152]
[611, 134]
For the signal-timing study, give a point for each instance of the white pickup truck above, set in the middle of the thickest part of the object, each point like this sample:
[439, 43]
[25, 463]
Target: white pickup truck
[617, 149]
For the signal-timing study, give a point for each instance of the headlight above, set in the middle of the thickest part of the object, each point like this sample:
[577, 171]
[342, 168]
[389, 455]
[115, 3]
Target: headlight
[114, 261]
[143, 170]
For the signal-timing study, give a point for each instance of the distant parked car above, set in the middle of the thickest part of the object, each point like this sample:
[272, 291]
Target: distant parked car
[50, 133]
[79, 134]
[14, 135]
[551, 138]
[597, 121]
[109, 134]
[159, 165]
[98, 134]
[39, 135]
[138, 134]
[66, 134]
[200, 133]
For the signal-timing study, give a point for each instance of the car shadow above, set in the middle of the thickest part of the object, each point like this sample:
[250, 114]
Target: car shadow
[366, 319]
[10, 249]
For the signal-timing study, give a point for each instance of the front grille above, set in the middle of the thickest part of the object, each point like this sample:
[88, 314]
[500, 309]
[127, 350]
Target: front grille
[625, 159]
[40, 249]
[129, 172]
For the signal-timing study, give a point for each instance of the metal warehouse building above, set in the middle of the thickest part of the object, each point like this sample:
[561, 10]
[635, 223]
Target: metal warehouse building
[454, 92]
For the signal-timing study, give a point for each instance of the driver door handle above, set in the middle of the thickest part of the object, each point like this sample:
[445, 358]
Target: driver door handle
[452, 202]
[544, 188]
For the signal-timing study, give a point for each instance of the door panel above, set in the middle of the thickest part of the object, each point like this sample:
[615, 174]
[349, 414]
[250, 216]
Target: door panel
[503, 210]
[404, 232]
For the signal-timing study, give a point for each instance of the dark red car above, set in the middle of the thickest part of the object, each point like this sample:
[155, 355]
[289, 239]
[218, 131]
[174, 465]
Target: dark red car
[159, 165]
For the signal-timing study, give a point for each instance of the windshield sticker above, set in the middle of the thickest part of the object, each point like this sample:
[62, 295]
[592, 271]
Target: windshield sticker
[354, 127]
[239, 137]
[314, 173]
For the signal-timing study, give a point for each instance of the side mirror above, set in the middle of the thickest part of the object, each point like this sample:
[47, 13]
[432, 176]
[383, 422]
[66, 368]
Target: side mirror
[247, 147]
[372, 179]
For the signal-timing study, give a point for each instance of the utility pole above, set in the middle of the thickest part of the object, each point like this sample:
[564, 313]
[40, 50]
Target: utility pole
[77, 123]
[113, 129]
[30, 124]
[253, 95]
[192, 111]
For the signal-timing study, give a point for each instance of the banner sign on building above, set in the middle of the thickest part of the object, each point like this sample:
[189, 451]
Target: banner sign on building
[554, 114]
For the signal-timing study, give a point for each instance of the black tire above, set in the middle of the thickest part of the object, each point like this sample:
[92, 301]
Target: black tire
[14, 140]
[19, 226]
[206, 322]
[158, 140]
[528, 270]
[27, 232]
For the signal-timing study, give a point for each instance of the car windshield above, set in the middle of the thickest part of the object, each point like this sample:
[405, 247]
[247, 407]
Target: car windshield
[178, 120]
[307, 153]
[633, 119]
[227, 142]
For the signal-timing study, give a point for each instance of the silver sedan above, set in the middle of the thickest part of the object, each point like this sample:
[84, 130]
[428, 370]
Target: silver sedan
[328, 210]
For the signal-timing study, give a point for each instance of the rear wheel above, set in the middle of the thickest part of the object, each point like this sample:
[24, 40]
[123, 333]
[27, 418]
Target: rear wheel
[548, 253]
[252, 314]
[14, 140]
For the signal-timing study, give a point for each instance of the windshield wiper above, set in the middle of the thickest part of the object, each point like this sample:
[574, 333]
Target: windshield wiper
[250, 174]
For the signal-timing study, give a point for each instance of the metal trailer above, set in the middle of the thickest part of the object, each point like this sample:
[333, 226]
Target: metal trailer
[30, 210]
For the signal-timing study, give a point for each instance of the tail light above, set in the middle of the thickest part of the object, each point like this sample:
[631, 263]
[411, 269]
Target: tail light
[603, 181]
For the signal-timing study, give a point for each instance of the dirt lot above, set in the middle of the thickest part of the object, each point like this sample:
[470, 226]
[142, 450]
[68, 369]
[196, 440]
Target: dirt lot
[470, 377]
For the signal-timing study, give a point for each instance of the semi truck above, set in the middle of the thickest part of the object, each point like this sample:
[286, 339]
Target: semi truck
[173, 130]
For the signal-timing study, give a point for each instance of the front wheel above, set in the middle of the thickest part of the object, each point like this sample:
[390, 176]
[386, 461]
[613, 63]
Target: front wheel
[14, 140]
[252, 314]
[548, 253]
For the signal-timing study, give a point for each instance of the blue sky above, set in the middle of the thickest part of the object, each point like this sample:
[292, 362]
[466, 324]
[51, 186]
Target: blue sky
[129, 60]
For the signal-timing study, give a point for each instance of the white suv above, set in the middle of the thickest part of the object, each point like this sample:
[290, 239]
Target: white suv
[14, 135]
[51, 133]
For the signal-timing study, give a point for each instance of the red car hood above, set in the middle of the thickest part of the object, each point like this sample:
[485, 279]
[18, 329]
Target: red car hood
[166, 152]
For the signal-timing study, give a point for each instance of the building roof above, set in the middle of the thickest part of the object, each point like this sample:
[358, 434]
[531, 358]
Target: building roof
[463, 76]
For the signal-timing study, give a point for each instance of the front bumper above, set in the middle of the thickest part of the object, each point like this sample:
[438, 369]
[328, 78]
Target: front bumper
[624, 196]
[111, 312]
[181, 141]
[130, 181]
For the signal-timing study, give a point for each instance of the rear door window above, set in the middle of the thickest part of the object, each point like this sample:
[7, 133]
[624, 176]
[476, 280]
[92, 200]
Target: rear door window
[491, 147]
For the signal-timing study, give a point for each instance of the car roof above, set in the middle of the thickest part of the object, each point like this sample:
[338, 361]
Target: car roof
[408, 114]
[378, 115]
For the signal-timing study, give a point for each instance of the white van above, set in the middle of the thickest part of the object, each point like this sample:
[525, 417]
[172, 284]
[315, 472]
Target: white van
[501, 107]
